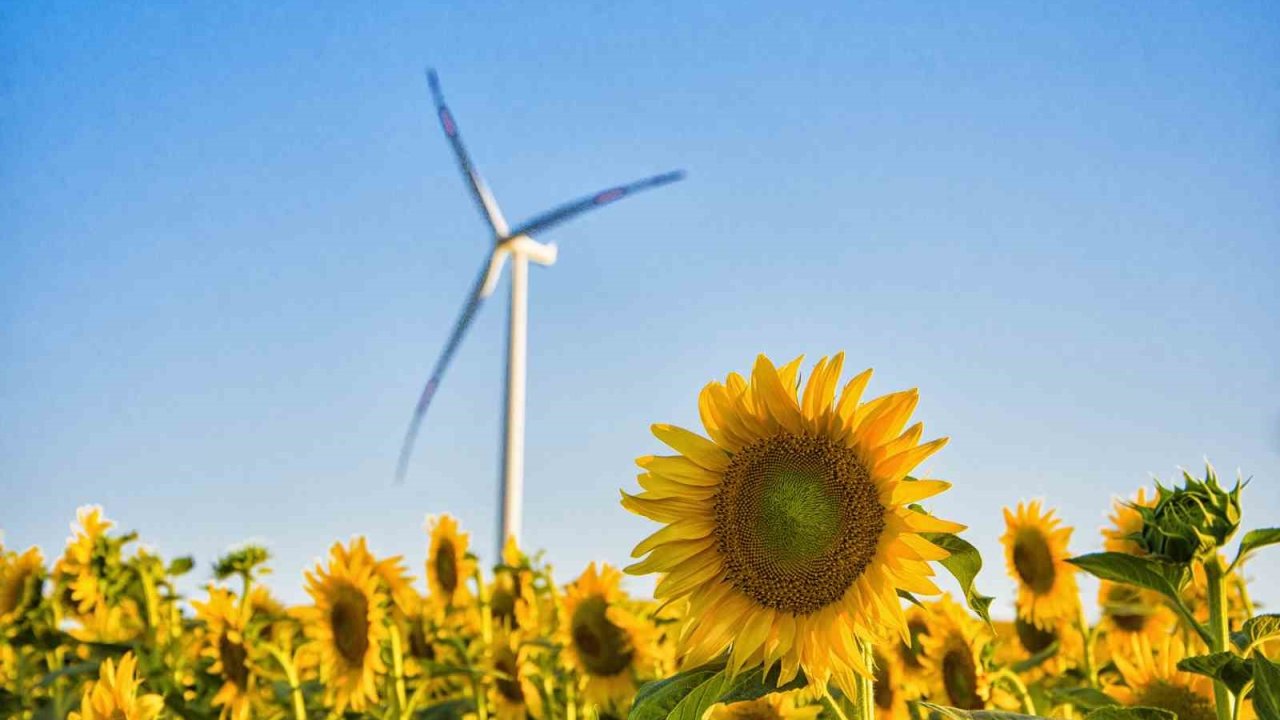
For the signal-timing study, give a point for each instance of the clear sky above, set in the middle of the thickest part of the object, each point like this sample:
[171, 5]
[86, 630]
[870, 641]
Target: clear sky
[232, 241]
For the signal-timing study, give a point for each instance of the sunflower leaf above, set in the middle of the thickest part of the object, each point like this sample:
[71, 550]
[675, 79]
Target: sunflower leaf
[1084, 698]
[1130, 713]
[1233, 670]
[656, 700]
[943, 712]
[695, 698]
[1164, 578]
[1257, 629]
[910, 598]
[964, 563]
[1036, 660]
[1253, 540]
[1266, 688]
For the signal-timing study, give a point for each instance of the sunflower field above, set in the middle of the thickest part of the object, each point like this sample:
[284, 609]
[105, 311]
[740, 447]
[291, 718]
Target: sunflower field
[794, 567]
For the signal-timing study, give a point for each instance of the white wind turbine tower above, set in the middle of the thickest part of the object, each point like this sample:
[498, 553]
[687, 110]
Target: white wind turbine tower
[520, 248]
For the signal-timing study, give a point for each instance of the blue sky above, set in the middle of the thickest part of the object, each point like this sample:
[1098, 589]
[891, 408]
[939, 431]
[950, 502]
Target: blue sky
[234, 241]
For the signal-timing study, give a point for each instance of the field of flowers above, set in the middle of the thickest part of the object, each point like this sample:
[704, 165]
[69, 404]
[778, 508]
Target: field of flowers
[795, 570]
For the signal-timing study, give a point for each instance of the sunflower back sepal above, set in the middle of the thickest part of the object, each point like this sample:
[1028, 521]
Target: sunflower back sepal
[1232, 670]
[964, 563]
[1254, 540]
[1192, 521]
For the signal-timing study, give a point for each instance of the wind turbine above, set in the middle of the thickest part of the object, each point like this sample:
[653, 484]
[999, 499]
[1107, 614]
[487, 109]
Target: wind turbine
[519, 246]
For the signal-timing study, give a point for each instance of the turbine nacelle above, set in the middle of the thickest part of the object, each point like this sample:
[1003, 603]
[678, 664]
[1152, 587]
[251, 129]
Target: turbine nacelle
[540, 253]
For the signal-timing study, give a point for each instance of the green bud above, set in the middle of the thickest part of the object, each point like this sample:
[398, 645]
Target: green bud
[1192, 521]
[241, 562]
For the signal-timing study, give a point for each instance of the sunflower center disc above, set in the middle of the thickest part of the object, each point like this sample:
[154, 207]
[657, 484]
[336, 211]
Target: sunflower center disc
[1033, 560]
[233, 657]
[504, 661]
[960, 678]
[1181, 701]
[446, 567]
[602, 646]
[1033, 639]
[798, 520]
[349, 619]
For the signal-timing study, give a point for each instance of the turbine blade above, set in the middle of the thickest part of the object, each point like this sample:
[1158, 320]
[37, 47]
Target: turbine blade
[570, 210]
[474, 299]
[479, 191]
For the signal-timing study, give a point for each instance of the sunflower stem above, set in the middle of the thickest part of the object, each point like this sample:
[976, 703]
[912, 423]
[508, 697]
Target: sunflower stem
[1089, 635]
[291, 675]
[1213, 571]
[1020, 688]
[865, 703]
[397, 669]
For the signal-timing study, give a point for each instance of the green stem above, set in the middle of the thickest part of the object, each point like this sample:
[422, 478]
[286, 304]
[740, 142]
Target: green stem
[1020, 688]
[291, 675]
[397, 669]
[864, 707]
[831, 701]
[1089, 635]
[1218, 637]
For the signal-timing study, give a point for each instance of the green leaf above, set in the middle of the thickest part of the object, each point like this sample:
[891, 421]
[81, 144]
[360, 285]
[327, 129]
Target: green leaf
[746, 685]
[943, 712]
[1255, 539]
[181, 565]
[1084, 698]
[1257, 629]
[656, 700]
[1233, 670]
[1130, 713]
[910, 598]
[1164, 578]
[964, 563]
[1266, 688]
[1035, 660]
[89, 667]
[447, 710]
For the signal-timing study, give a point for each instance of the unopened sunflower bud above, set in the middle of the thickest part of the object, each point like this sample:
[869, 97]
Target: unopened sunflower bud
[1191, 521]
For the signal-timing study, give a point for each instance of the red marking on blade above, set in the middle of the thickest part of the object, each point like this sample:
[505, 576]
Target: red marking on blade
[449, 128]
[609, 196]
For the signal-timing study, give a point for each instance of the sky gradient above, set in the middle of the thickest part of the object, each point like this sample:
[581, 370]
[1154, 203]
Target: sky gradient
[234, 240]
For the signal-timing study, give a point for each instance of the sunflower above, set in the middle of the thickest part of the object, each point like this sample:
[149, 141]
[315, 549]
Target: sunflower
[1129, 612]
[1036, 553]
[1152, 679]
[953, 652]
[448, 565]
[514, 694]
[119, 623]
[775, 706]
[606, 643]
[789, 530]
[1022, 639]
[21, 578]
[346, 625]
[115, 694]
[888, 691]
[1126, 523]
[513, 603]
[225, 645]
[79, 567]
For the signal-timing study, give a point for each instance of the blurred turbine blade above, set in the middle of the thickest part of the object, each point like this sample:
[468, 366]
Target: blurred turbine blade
[479, 191]
[474, 299]
[570, 210]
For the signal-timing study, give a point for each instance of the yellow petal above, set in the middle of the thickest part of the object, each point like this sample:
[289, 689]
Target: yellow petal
[688, 529]
[679, 468]
[909, 491]
[693, 446]
[896, 467]
[669, 556]
[780, 401]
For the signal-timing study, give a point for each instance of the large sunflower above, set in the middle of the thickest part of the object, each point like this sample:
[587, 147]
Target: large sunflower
[953, 656]
[606, 643]
[775, 706]
[347, 625]
[21, 577]
[514, 693]
[225, 623]
[448, 565]
[789, 530]
[115, 694]
[1152, 679]
[1036, 552]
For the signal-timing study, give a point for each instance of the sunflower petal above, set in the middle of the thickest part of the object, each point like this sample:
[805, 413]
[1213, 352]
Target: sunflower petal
[693, 446]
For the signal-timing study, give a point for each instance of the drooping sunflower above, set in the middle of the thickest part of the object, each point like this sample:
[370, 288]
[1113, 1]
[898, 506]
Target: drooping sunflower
[76, 568]
[775, 706]
[1129, 612]
[1152, 679]
[953, 656]
[888, 691]
[1022, 640]
[224, 643]
[514, 694]
[115, 694]
[448, 565]
[21, 578]
[1036, 553]
[606, 643]
[789, 530]
[1126, 523]
[513, 603]
[347, 625]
